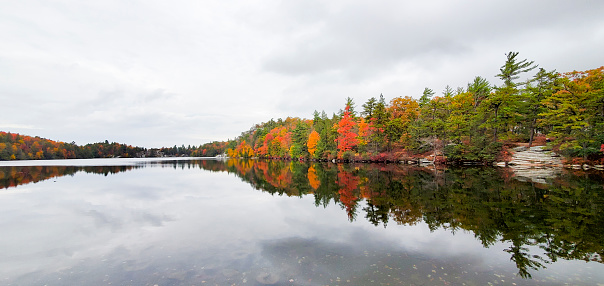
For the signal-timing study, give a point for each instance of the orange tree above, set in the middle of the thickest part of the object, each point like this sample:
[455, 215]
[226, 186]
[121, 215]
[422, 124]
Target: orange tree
[347, 139]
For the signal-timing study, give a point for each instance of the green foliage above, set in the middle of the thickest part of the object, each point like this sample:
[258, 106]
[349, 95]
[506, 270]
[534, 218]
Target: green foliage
[542, 86]
[479, 149]
[502, 105]
[300, 137]
[512, 69]
[480, 89]
[348, 156]
[575, 113]
[368, 108]
[379, 120]
[426, 96]
[296, 151]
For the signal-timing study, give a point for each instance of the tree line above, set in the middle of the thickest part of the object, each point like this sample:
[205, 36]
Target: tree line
[14, 146]
[475, 123]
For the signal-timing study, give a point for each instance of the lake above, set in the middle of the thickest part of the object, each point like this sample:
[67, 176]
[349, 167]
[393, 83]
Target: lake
[193, 221]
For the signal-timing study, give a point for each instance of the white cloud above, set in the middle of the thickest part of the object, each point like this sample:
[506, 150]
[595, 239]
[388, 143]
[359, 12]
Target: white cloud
[154, 73]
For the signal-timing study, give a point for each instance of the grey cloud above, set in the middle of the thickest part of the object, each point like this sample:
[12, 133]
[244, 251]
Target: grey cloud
[155, 73]
[360, 40]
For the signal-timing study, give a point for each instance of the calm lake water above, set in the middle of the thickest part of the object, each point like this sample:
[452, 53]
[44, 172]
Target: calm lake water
[207, 222]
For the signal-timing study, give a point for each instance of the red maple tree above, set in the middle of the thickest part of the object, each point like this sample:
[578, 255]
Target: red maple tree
[347, 139]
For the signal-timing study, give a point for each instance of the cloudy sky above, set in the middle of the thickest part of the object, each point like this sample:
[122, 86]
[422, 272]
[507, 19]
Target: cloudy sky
[164, 73]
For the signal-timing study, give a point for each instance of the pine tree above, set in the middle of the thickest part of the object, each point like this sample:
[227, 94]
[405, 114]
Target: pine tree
[426, 96]
[503, 103]
[542, 85]
[368, 108]
[379, 120]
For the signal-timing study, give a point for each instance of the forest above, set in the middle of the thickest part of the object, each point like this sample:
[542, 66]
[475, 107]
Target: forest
[15, 146]
[476, 123]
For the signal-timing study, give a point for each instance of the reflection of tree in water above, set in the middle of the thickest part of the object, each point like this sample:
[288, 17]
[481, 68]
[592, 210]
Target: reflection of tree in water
[348, 183]
[313, 180]
[562, 219]
[541, 223]
[12, 176]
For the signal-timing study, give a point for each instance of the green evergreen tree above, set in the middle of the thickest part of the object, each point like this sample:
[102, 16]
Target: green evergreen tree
[503, 103]
[543, 85]
[379, 120]
[480, 89]
[368, 108]
[299, 140]
[426, 96]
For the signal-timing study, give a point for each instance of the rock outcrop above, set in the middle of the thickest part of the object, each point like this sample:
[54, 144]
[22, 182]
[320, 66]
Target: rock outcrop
[538, 165]
[535, 164]
[535, 156]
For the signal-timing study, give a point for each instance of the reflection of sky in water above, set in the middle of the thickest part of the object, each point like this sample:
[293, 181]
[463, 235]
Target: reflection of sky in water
[186, 226]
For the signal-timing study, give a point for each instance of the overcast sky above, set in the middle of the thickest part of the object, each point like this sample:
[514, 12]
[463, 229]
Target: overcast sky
[164, 73]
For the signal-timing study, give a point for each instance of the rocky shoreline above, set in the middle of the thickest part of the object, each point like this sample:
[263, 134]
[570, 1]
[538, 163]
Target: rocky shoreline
[541, 157]
[536, 156]
[522, 158]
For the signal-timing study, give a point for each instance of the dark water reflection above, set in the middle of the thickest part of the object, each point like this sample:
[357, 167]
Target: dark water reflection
[170, 223]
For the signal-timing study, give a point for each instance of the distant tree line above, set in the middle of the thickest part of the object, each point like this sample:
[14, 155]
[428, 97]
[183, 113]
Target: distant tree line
[211, 149]
[473, 123]
[14, 146]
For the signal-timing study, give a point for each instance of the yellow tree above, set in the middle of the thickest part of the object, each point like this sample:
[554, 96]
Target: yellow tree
[244, 150]
[403, 111]
[313, 139]
[461, 107]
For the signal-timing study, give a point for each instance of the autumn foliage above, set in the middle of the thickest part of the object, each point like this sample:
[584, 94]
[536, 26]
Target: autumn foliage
[347, 139]
[15, 146]
[22, 147]
[470, 123]
[313, 139]
[463, 124]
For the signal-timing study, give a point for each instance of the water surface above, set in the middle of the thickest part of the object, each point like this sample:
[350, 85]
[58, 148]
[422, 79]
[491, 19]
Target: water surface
[206, 222]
